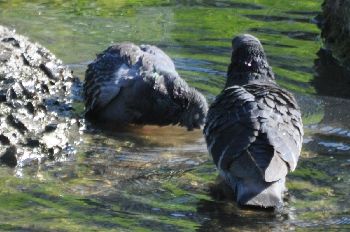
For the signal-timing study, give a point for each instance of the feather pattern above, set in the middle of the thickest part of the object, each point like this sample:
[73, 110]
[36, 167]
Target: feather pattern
[254, 132]
[139, 84]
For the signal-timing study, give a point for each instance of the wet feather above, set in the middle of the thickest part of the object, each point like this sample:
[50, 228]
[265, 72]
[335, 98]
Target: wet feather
[254, 128]
[130, 84]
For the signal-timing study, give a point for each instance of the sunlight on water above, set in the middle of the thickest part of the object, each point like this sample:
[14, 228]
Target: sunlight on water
[162, 179]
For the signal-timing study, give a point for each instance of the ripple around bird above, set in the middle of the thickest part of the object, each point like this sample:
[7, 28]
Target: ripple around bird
[162, 179]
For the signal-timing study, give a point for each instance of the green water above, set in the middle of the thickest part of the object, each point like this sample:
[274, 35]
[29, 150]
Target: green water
[161, 179]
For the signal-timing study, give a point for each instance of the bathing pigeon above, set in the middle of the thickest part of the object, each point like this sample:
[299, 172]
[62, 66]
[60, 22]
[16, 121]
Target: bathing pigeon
[253, 128]
[130, 84]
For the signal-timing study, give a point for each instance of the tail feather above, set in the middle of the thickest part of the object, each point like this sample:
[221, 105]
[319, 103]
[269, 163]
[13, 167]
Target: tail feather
[258, 192]
[277, 169]
[257, 183]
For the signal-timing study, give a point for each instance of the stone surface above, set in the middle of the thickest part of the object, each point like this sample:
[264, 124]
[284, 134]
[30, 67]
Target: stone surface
[334, 22]
[36, 96]
[332, 66]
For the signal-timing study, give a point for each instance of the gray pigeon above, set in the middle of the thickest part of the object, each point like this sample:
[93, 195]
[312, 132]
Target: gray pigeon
[253, 128]
[130, 84]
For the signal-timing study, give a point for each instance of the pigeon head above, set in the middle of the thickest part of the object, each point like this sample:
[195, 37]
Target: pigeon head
[248, 62]
[196, 112]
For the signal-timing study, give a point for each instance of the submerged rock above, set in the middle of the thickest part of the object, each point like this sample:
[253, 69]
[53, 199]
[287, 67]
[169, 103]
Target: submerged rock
[36, 95]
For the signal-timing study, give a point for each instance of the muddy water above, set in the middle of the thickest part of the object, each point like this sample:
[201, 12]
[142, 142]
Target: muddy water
[161, 179]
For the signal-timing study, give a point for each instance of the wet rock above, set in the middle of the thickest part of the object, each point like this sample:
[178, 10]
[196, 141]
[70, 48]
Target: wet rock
[9, 156]
[331, 78]
[36, 93]
[334, 22]
[333, 63]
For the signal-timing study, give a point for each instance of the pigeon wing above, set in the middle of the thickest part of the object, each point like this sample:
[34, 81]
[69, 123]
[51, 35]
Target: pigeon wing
[259, 121]
[112, 70]
[232, 125]
[281, 122]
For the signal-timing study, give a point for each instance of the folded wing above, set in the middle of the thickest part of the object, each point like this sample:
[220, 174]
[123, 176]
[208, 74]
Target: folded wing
[254, 129]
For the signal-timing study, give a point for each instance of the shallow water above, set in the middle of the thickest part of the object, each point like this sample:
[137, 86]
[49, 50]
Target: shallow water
[157, 179]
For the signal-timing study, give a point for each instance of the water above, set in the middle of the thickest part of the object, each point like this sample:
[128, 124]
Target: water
[161, 179]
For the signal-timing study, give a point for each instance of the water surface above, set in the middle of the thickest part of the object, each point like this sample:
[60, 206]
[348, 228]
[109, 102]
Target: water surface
[162, 179]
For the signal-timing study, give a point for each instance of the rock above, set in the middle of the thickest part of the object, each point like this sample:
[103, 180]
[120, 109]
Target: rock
[9, 156]
[332, 65]
[36, 94]
[334, 22]
[331, 78]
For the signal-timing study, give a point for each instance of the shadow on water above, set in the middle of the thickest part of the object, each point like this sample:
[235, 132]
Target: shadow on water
[161, 179]
[301, 35]
[147, 136]
[272, 18]
[226, 216]
[221, 4]
[303, 13]
[220, 213]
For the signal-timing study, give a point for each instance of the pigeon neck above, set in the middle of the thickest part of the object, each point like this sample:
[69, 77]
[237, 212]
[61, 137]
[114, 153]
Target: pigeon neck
[243, 78]
[248, 68]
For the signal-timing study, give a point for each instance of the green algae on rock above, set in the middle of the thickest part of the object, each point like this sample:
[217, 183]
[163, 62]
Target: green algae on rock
[36, 94]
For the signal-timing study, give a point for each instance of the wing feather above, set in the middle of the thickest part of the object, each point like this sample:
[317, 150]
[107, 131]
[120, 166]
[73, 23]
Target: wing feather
[259, 121]
[112, 70]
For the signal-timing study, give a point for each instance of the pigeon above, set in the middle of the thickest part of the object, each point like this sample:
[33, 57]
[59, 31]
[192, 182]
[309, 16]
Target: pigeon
[254, 128]
[130, 84]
